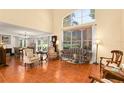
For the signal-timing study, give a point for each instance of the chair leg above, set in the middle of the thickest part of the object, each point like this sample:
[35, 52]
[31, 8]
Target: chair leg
[92, 79]
[31, 65]
[25, 64]
[39, 62]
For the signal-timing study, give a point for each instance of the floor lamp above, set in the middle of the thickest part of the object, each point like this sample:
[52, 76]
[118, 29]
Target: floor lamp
[97, 46]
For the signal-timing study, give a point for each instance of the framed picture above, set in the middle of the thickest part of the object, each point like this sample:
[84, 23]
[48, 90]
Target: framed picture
[6, 39]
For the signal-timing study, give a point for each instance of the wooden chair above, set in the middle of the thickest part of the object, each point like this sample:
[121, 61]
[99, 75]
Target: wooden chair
[110, 75]
[114, 61]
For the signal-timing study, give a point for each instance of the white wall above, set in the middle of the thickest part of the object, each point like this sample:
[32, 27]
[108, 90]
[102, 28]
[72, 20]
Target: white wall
[108, 30]
[122, 32]
[40, 19]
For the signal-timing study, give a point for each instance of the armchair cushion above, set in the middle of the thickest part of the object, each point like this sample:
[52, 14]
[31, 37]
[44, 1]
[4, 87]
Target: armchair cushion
[106, 80]
[113, 65]
[51, 53]
[34, 58]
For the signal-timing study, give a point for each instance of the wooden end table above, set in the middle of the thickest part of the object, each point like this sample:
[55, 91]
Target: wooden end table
[41, 55]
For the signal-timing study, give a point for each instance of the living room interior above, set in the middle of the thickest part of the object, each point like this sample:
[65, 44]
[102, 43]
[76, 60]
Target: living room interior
[61, 45]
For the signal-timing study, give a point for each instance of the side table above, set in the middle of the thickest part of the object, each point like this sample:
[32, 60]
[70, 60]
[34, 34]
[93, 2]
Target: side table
[42, 54]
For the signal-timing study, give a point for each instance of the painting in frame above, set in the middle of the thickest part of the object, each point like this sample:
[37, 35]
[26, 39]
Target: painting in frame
[6, 39]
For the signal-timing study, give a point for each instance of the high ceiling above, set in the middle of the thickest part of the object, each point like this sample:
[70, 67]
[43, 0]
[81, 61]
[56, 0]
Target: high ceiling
[18, 30]
[30, 21]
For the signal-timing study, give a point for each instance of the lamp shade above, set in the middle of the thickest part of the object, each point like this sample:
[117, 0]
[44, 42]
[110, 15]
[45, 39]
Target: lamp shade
[98, 41]
[3, 45]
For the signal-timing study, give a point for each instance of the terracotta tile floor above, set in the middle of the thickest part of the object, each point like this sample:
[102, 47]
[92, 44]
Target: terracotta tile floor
[53, 72]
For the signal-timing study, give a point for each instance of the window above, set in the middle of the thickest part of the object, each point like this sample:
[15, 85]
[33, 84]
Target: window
[25, 43]
[87, 39]
[80, 38]
[79, 17]
[88, 16]
[21, 43]
[67, 40]
[76, 39]
[67, 21]
[43, 43]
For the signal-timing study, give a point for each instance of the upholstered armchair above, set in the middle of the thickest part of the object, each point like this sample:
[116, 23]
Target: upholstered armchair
[29, 57]
[51, 53]
[78, 55]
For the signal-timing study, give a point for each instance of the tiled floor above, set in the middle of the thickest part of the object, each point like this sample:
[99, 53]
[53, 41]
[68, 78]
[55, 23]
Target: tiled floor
[53, 71]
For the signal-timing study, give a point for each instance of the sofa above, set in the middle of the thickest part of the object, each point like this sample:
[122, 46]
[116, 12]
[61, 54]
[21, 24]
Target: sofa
[76, 55]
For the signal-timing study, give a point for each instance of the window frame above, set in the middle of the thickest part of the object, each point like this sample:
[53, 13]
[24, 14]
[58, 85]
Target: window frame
[81, 18]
